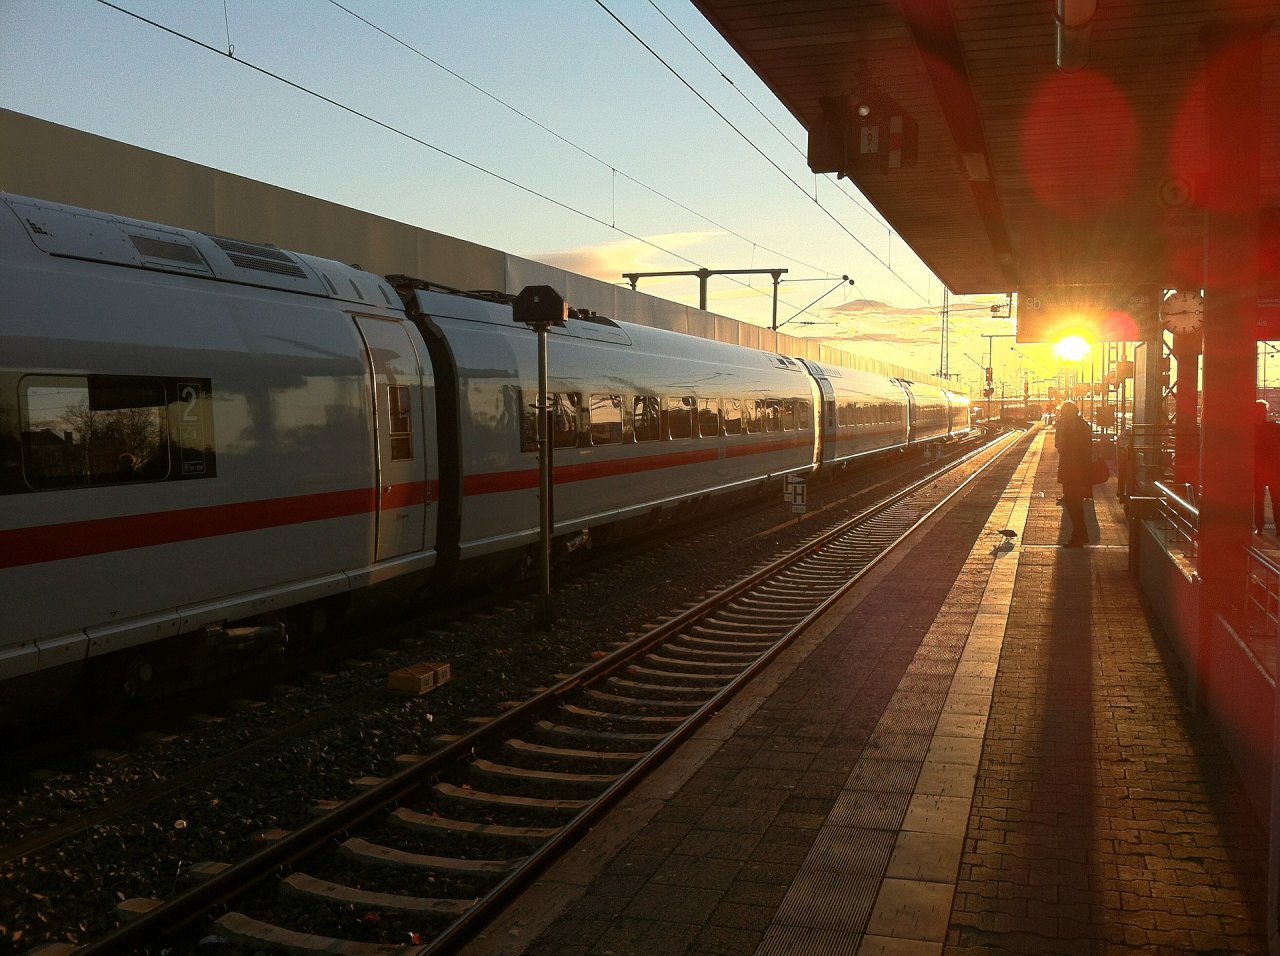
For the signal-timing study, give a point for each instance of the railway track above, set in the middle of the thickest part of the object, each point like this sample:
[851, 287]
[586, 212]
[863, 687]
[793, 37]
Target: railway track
[63, 731]
[185, 766]
[421, 860]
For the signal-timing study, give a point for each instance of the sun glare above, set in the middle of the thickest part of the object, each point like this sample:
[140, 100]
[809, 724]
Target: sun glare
[1072, 349]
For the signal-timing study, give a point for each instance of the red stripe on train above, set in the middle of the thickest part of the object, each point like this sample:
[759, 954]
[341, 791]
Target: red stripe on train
[733, 450]
[498, 482]
[78, 539]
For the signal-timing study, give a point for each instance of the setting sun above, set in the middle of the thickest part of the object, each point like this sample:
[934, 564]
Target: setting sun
[1072, 349]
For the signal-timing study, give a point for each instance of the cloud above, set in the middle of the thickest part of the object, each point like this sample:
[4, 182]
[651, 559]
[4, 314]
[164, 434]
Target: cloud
[911, 335]
[876, 307]
[609, 261]
[872, 321]
[871, 318]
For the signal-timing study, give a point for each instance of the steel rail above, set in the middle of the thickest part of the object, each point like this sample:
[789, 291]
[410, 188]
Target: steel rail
[466, 926]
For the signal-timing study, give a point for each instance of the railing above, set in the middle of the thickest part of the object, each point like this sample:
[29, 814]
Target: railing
[1176, 521]
[1178, 517]
[1149, 456]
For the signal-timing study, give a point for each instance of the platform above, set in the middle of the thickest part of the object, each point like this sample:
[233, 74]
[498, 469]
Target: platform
[985, 748]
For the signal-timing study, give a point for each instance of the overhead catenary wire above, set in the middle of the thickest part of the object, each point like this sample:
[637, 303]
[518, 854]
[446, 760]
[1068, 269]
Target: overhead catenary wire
[643, 185]
[632, 179]
[843, 228]
[841, 282]
[763, 115]
[301, 88]
[566, 206]
[563, 139]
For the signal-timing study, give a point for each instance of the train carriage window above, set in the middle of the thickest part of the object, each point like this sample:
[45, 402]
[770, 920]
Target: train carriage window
[528, 424]
[733, 416]
[772, 415]
[680, 414]
[400, 422]
[788, 407]
[805, 415]
[606, 419]
[647, 422]
[564, 418]
[753, 413]
[564, 421]
[709, 417]
[80, 431]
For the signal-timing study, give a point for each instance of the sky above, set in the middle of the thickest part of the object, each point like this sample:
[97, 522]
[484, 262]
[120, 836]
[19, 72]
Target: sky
[601, 136]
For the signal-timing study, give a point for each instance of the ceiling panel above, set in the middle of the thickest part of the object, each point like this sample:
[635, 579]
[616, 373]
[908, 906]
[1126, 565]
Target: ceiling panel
[1081, 165]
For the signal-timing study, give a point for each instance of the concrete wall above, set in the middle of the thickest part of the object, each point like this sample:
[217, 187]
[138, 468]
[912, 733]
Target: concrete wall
[1173, 588]
[56, 163]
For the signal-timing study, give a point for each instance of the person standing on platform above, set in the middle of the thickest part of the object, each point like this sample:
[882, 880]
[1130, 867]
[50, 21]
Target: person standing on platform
[1266, 465]
[1075, 455]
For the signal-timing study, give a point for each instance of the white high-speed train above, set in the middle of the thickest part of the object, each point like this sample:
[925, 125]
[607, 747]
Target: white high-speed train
[204, 439]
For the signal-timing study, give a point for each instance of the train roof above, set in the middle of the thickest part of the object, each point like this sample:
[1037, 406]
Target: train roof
[495, 309]
[75, 233]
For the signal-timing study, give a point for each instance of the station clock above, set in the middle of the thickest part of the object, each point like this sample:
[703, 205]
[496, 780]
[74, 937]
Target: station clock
[1183, 312]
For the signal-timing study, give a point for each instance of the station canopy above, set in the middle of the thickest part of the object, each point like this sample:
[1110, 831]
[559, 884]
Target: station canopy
[1006, 172]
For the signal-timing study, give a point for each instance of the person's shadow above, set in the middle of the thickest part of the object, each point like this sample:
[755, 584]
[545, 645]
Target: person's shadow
[1090, 523]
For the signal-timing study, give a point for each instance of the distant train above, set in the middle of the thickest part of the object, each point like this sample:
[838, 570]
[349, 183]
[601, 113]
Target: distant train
[204, 440]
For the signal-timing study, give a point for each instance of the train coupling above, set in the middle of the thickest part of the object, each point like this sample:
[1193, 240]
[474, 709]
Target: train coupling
[272, 634]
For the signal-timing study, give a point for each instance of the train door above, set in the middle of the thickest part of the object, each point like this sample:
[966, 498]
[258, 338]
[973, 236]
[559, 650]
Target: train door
[400, 436]
[913, 412]
[829, 429]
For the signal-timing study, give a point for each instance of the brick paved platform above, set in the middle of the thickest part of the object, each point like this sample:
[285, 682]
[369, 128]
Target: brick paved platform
[981, 750]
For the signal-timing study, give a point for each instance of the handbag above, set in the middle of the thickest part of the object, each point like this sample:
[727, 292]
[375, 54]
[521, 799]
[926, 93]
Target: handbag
[1099, 473]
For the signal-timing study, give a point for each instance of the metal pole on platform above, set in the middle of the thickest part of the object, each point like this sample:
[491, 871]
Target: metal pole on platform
[1186, 430]
[546, 612]
[540, 307]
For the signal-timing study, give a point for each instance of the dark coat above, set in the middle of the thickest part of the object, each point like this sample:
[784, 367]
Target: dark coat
[1075, 453]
